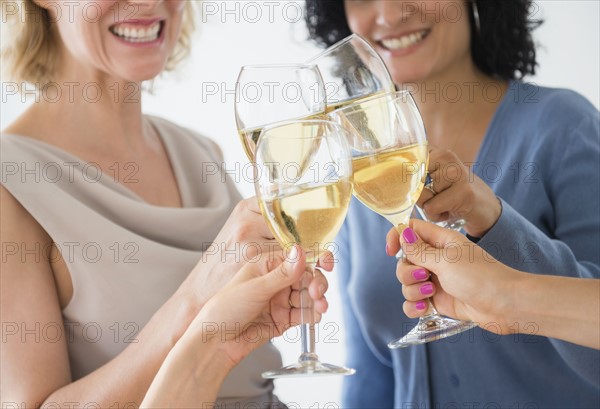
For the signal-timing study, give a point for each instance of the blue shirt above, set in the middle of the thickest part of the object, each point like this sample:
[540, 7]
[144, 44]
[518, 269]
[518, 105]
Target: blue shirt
[541, 156]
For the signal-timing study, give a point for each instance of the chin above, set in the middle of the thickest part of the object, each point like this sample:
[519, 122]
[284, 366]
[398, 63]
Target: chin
[406, 77]
[141, 74]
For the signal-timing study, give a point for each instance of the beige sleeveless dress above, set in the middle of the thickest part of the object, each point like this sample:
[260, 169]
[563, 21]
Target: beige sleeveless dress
[127, 257]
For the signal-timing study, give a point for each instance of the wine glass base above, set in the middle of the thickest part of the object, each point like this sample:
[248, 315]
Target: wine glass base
[312, 368]
[456, 225]
[432, 329]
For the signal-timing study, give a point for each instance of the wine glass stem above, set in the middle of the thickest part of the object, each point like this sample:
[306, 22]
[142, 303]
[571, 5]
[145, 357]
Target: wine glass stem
[307, 317]
[431, 310]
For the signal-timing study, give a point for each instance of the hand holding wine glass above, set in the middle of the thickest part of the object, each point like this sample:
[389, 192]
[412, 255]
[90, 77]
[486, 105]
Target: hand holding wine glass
[457, 193]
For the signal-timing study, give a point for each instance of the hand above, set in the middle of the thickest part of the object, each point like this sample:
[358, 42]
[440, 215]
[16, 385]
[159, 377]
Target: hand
[459, 195]
[467, 283]
[255, 305]
[244, 238]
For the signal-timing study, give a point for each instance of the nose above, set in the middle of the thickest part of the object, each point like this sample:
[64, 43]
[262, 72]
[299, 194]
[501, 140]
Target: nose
[392, 12]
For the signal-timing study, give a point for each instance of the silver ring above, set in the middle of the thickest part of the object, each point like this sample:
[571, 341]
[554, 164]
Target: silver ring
[429, 187]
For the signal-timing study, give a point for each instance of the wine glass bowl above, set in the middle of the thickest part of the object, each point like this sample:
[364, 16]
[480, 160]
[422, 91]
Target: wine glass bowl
[266, 94]
[389, 153]
[351, 70]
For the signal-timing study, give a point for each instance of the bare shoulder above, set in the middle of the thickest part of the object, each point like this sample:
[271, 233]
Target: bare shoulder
[17, 224]
[32, 366]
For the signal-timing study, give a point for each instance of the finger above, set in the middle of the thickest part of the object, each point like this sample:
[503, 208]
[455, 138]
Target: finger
[293, 300]
[250, 220]
[414, 309]
[419, 252]
[419, 291]
[392, 242]
[437, 236]
[318, 285]
[426, 195]
[321, 305]
[326, 261]
[435, 155]
[437, 184]
[445, 169]
[304, 280]
[296, 317]
[285, 274]
[442, 161]
[268, 250]
[410, 274]
[446, 203]
[444, 177]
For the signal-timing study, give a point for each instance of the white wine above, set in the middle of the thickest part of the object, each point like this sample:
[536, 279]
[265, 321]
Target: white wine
[337, 105]
[249, 139]
[290, 149]
[380, 121]
[310, 216]
[390, 182]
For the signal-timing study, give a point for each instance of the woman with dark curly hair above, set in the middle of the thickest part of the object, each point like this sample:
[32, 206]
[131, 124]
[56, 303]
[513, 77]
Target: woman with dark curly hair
[517, 162]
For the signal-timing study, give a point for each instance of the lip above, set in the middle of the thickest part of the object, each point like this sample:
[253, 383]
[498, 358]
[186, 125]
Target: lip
[141, 23]
[405, 51]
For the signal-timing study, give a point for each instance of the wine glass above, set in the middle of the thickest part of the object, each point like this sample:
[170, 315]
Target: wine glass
[304, 200]
[352, 70]
[265, 94]
[389, 157]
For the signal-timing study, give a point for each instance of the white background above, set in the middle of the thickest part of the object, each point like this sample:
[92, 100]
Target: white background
[568, 56]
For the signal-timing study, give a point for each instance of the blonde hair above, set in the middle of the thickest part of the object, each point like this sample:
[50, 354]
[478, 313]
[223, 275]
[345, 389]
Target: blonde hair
[29, 48]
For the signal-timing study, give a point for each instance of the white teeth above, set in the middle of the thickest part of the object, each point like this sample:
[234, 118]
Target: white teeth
[137, 35]
[404, 41]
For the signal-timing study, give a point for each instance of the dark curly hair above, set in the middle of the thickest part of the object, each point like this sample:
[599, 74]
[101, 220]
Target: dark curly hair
[504, 48]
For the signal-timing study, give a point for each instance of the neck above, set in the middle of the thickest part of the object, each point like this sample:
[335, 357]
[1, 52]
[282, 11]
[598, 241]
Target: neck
[94, 109]
[457, 105]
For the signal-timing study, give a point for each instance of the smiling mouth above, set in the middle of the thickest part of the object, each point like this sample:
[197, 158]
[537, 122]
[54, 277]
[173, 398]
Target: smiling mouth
[408, 40]
[137, 33]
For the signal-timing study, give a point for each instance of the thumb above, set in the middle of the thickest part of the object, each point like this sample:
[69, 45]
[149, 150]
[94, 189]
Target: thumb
[286, 273]
[435, 235]
[424, 245]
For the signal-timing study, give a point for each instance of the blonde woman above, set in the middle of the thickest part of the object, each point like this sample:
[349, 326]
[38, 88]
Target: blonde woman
[113, 237]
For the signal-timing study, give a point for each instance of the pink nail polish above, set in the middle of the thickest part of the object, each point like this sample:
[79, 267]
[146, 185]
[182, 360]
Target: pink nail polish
[387, 249]
[420, 274]
[409, 236]
[421, 305]
[426, 289]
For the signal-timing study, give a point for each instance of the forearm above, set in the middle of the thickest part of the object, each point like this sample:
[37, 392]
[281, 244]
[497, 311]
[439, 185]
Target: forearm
[560, 307]
[126, 378]
[190, 376]
[518, 243]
